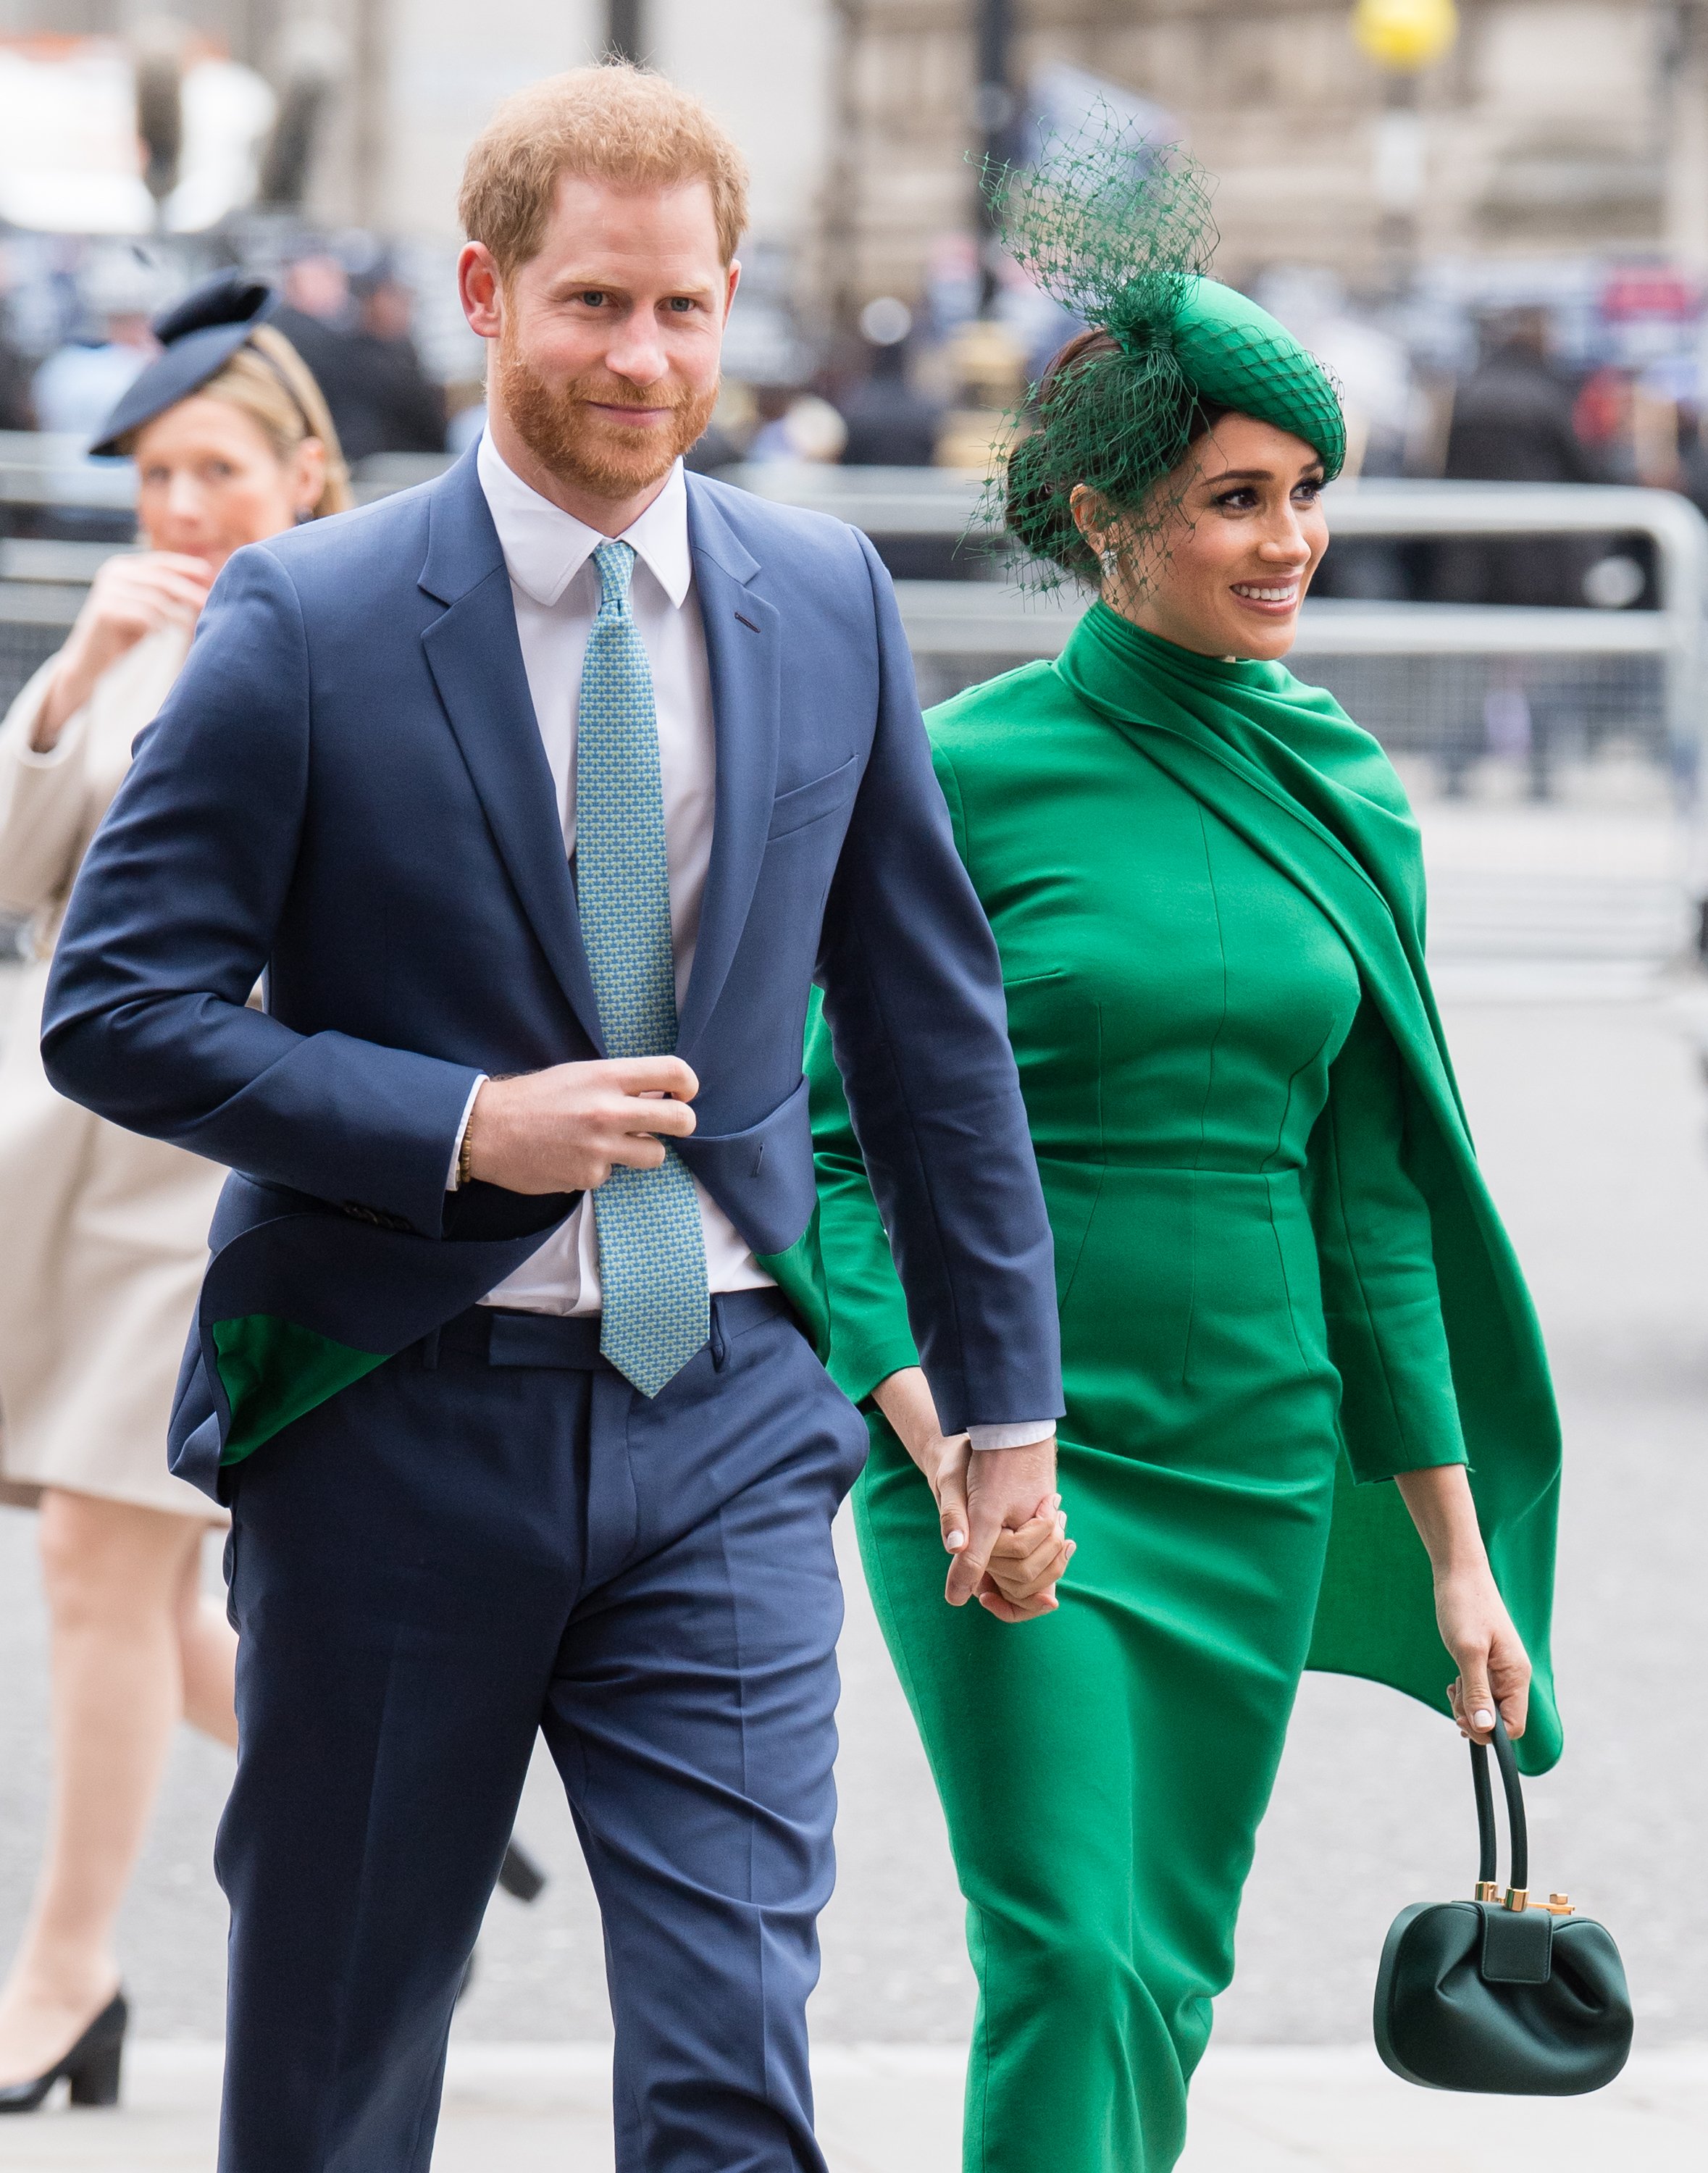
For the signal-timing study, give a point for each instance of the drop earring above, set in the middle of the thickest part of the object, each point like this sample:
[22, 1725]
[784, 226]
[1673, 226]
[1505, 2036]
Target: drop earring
[1110, 560]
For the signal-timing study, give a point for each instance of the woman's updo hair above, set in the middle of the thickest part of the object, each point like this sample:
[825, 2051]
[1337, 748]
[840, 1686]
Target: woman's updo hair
[268, 380]
[1083, 429]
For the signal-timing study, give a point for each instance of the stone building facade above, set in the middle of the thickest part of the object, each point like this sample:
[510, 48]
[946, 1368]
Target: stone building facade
[1554, 126]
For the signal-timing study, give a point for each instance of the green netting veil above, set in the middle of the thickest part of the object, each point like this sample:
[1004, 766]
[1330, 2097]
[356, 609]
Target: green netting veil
[1121, 232]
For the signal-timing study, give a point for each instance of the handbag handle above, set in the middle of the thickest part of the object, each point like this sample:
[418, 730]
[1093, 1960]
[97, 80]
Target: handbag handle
[1517, 1894]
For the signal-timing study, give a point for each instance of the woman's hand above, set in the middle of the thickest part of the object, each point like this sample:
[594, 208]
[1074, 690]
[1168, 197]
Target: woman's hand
[132, 595]
[1476, 1629]
[1028, 1555]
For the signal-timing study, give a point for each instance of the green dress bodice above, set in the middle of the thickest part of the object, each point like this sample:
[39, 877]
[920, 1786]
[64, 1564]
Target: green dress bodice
[1174, 1002]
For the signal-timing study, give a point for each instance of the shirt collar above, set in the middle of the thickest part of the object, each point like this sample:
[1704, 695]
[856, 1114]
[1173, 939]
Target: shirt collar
[545, 547]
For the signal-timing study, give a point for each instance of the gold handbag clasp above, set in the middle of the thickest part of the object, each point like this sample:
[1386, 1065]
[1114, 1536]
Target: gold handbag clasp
[1517, 1898]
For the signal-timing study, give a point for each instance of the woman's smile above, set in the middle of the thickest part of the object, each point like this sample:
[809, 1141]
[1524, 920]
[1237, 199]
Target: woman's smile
[1273, 599]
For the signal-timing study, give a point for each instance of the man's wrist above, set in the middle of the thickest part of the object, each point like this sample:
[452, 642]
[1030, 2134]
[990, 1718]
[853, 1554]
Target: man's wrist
[460, 1173]
[1018, 1433]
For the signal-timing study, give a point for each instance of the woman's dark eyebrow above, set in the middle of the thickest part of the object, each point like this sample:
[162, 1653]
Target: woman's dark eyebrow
[1258, 475]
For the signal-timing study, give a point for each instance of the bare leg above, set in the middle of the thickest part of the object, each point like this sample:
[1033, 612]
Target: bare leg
[114, 1577]
[206, 1657]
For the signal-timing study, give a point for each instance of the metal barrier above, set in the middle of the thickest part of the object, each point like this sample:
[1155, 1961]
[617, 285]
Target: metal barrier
[46, 481]
[1583, 889]
[1427, 678]
[42, 586]
[42, 471]
[1423, 677]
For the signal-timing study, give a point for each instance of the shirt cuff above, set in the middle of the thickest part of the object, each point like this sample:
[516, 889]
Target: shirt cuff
[1021, 1433]
[450, 1183]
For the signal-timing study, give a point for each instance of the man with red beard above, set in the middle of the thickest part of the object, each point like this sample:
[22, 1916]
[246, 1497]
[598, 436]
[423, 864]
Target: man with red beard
[541, 796]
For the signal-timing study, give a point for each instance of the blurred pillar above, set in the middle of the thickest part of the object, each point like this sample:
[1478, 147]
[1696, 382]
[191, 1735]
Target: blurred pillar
[1398, 177]
[250, 24]
[1684, 98]
[624, 30]
[370, 98]
[158, 47]
[995, 108]
[839, 225]
[1403, 37]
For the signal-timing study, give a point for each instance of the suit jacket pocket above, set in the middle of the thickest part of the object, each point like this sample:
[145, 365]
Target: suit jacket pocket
[762, 1176]
[793, 810]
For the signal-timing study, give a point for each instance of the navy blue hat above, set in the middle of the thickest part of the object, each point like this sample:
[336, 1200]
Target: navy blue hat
[199, 335]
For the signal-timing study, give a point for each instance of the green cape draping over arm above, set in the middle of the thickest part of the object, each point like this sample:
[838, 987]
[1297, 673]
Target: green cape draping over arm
[1282, 765]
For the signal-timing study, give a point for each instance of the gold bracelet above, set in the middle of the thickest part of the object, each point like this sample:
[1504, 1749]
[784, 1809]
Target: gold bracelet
[465, 1174]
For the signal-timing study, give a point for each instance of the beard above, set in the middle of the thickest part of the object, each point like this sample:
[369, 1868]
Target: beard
[561, 427]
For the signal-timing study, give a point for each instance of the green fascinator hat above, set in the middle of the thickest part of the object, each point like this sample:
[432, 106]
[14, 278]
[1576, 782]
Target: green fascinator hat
[1236, 355]
[1120, 232]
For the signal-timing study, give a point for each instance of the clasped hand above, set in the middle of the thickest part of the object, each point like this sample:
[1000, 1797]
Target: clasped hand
[997, 1510]
[565, 1129]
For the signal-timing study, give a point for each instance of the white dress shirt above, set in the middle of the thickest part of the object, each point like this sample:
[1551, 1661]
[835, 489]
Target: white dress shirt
[555, 587]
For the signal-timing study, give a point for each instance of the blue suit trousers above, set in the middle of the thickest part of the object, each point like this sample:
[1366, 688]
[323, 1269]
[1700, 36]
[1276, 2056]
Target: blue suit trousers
[492, 1535]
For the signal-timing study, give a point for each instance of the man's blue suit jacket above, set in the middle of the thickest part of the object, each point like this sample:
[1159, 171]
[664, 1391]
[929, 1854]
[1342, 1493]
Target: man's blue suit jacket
[347, 790]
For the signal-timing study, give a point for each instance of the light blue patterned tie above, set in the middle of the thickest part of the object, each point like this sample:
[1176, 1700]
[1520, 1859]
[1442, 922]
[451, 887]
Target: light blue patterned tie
[652, 1251]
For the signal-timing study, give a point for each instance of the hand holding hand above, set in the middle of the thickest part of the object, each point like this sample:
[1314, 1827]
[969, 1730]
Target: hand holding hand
[1024, 1554]
[132, 595]
[564, 1130]
[1026, 1565]
[1001, 1519]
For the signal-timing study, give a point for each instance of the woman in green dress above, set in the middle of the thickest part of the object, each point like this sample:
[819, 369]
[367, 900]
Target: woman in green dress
[1290, 1318]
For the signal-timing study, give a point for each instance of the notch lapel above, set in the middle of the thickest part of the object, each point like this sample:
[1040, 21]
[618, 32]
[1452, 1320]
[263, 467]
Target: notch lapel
[476, 659]
[744, 658]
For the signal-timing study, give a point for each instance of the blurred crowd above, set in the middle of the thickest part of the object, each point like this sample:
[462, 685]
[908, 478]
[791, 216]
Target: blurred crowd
[1601, 382]
[74, 332]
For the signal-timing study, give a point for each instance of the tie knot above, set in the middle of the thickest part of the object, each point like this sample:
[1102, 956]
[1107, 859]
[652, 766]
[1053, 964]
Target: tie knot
[616, 564]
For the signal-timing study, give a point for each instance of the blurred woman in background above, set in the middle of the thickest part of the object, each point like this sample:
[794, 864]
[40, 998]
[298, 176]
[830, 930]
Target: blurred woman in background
[106, 1231]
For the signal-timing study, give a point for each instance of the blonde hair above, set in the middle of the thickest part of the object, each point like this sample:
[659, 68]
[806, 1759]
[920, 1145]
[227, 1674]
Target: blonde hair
[269, 381]
[616, 122]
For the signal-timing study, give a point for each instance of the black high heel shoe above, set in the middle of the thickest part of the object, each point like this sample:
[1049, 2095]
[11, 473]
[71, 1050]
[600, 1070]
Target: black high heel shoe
[91, 2066]
[519, 1876]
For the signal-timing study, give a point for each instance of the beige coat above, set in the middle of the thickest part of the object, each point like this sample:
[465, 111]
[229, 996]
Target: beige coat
[103, 1234]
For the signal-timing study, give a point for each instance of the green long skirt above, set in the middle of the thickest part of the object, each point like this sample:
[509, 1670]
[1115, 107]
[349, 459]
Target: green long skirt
[1103, 1770]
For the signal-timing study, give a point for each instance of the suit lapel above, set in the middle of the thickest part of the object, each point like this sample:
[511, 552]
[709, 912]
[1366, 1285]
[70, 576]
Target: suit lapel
[744, 656]
[476, 659]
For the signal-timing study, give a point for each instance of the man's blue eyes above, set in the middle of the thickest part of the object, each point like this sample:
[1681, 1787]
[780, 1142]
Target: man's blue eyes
[595, 297]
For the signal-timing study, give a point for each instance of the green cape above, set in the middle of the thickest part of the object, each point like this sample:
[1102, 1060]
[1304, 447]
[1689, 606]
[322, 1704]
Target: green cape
[1283, 766]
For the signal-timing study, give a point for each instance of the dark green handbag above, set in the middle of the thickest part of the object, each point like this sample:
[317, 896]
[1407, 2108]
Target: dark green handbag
[1501, 1993]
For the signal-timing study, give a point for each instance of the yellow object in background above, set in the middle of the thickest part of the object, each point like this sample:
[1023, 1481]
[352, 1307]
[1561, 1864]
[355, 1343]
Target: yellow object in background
[1405, 34]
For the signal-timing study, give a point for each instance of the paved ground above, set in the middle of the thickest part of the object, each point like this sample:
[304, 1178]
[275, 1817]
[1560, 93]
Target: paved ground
[1594, 1126]
[893, 2109]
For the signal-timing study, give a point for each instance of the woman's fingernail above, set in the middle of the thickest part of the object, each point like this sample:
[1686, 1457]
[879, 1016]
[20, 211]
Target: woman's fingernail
[954, 1540]
[1482, 1718]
